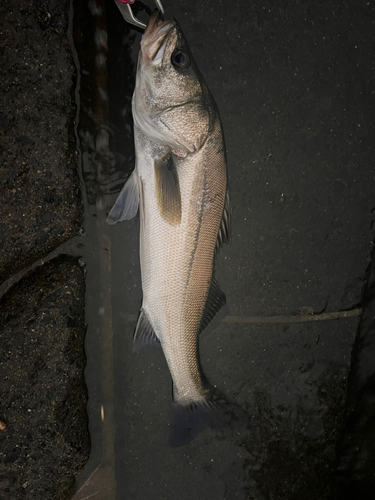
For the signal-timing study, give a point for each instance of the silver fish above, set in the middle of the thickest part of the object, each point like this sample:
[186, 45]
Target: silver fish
[180, 186]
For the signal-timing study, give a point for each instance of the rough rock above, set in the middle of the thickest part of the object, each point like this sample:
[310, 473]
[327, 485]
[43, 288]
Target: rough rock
[40, 201]
[42, 393]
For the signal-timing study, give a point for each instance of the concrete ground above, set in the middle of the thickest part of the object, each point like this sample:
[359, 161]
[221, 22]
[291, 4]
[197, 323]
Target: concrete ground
[293, 84]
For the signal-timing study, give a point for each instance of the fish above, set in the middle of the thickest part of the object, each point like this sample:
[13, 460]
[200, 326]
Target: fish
[180, 186]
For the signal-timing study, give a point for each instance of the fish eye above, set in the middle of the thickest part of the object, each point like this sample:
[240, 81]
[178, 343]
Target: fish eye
[180, 59]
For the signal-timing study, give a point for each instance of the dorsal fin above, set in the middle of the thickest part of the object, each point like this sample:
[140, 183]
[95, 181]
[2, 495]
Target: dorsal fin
[215, 301]
[144, 333]
[167, 189]
[224, 230]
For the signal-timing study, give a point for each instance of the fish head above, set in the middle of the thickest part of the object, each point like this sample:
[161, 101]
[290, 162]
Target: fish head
[171, 103]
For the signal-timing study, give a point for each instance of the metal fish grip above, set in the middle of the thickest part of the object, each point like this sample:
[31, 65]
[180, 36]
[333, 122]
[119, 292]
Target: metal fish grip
[127, 13]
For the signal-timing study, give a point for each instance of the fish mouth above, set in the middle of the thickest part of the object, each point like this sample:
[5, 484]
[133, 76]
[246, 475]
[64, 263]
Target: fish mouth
[154, 40]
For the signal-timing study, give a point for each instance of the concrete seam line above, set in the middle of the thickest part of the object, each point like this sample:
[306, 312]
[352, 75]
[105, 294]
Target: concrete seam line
[294, 319]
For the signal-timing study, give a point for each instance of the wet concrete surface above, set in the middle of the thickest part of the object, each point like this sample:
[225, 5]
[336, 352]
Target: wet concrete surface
[292, 83]
[43, 395]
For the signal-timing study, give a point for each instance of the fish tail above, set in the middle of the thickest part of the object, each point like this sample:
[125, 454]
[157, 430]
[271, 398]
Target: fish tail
[215, 411]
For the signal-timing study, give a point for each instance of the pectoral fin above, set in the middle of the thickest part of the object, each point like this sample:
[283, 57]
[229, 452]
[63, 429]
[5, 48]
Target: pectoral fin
[126, 205]
[167, 189]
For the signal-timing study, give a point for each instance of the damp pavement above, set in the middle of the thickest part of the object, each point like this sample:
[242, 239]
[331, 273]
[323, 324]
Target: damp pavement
[293, 347]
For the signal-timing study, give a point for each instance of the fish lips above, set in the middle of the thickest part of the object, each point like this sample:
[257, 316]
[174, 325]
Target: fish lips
[155, 37]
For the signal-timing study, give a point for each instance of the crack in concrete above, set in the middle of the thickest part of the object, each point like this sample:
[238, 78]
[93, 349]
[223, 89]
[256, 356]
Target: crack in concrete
[93, 494]
[294, 319]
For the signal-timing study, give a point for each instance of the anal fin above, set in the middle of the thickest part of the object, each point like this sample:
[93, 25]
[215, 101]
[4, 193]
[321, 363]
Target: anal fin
[144, 333]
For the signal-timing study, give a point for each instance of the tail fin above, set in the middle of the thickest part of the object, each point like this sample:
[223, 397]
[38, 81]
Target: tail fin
[215, 411]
